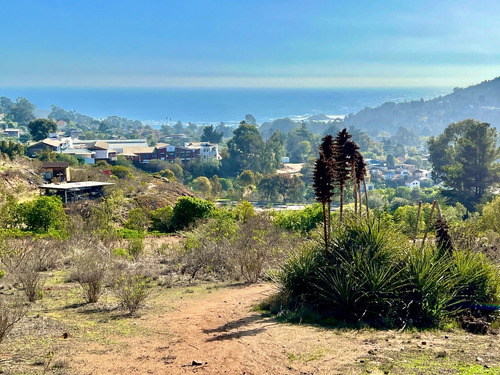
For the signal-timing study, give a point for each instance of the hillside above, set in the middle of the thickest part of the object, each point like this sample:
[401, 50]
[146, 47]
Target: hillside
[427, 117]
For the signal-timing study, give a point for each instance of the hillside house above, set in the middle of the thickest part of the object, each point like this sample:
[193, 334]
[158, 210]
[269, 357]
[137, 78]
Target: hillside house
[46, 144]
[56, 170]
[412, 183]
[207, 150]
[15, 133]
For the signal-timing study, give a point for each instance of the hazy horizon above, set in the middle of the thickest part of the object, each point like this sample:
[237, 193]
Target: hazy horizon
[262, 44]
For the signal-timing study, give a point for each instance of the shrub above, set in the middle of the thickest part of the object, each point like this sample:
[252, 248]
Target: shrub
[44, 213]
[90, 271]
[24, 260]
[132, 291]
[188, 209]
[161, 219]
[207, 247]
[135, 247]
[10, 314]
[138, 219]
[300, 220]
[257, 247]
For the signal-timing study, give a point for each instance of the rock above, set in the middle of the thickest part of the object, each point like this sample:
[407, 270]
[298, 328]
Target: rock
[442, 354]
[371, 352]
[446, 337]
[196, 363]
[486, 366]
[479, 359]
[424, 343]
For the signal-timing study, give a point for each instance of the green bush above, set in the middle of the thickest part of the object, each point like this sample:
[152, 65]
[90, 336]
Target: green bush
[43, 213]
[188, 209]
[161, 219]
[135, 247]
[300, 220]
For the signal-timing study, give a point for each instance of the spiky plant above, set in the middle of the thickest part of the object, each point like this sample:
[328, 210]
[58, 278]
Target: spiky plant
[342, 165]
[323, 183]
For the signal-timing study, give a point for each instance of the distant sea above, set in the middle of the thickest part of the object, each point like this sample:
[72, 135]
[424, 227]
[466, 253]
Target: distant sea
[211, 106]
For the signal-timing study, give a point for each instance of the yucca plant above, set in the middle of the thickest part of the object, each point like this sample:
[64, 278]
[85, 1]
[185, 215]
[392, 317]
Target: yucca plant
[478, 279]
[432, 286]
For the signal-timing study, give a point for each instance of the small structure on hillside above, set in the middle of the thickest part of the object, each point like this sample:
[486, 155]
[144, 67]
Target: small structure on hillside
[71, 192]
[56, 170]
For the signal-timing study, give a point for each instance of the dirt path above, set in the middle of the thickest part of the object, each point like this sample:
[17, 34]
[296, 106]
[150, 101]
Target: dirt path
[223, 335]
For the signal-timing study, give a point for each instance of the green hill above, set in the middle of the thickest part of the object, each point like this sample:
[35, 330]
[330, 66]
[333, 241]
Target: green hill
[427, 117]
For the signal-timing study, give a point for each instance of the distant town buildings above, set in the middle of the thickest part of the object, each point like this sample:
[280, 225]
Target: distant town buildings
[136, 150]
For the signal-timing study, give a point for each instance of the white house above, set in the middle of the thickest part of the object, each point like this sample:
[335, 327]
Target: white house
[412, 183]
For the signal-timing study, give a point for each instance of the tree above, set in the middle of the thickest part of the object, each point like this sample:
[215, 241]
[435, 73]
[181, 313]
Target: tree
[21, 112]
[390, 161]
[464, 157]
[249, 119]
[246, 149]
[211, 135]
[40, 128]
[202, 185]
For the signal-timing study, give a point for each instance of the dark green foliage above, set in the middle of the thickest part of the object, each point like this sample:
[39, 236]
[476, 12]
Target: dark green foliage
[161, 219]
[40, 128]
[11, 149]
[464, 157]
[211, 135]
[188, 209]
[375, 276]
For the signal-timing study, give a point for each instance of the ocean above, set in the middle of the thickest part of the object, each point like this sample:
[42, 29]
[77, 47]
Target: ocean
[211, 106]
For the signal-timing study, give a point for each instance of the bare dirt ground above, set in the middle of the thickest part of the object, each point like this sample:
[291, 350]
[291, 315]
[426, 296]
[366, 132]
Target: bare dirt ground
[221, 333]
[216, 329]
[290, 168]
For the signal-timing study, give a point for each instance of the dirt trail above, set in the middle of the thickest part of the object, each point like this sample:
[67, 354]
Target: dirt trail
[221, 331]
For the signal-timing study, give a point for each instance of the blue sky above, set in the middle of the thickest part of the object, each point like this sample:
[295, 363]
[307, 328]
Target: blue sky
[237, 43]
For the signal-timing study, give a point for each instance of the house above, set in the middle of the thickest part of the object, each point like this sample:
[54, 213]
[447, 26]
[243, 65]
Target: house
[389, 175]
[140, 154]
[87, 155]
[12, 132]
[56, 170]
[412, 183]
[207, 150]
[43, 145]
[421, 173]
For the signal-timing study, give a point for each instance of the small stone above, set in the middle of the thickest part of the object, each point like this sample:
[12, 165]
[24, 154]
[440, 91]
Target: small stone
[442, 354]
[196, 363]
[486, 366]
[424, 342]
[368, 371]
[362, 361]
[446, 336]
[479, 359]
[371, 352]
